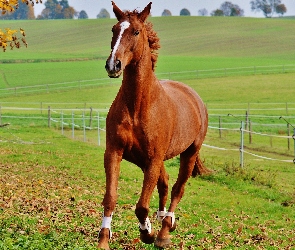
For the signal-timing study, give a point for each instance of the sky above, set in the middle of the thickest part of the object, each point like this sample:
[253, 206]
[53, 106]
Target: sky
[93, 7]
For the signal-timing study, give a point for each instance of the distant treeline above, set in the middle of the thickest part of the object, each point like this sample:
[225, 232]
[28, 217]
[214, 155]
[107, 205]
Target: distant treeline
[55, 9]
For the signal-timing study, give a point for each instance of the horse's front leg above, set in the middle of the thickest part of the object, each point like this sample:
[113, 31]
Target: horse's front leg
[112, 159]
[162, 186]
[151, 176]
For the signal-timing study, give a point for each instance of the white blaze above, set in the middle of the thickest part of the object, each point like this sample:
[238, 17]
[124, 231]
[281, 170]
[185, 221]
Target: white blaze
[124, 25]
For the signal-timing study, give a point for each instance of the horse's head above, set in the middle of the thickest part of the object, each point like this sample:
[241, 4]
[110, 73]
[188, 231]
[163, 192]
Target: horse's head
[129, 36]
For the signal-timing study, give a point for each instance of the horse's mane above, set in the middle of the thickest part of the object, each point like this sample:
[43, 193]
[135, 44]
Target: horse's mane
[153, 39]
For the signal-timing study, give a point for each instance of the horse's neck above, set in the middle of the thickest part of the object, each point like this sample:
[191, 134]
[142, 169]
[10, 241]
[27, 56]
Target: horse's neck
[139, 81]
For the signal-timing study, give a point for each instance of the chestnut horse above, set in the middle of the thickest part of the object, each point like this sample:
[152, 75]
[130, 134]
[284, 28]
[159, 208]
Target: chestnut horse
[149, 122]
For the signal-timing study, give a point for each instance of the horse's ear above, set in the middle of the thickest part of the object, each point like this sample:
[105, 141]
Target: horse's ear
[145, 13]
[118, 13]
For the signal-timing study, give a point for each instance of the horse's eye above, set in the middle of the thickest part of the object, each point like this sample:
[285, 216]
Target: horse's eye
[136, 33]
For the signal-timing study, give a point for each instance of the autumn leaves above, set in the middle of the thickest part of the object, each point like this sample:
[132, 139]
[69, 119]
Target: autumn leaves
[9, 37]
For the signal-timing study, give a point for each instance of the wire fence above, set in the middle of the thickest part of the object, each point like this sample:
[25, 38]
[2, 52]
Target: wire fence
[183, 75]
[250, 151]
[90, 126]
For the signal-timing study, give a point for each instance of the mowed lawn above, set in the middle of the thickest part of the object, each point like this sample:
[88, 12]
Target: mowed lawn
[51, 186]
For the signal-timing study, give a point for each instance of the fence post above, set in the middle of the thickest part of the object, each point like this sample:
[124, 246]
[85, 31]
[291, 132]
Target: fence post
[49, 117]
[62, 123]
[90, 120]
[98, 129]
[242, 146]
[220, 126]
[73, 126]
[250, 132]
[84, 127]
[247, 121]
[288, 132]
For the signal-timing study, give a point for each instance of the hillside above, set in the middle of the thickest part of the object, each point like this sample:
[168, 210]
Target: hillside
[187, 36]
[196, 42]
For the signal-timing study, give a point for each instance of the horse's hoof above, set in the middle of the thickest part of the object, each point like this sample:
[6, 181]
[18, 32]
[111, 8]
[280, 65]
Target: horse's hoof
[104, 246]
[104, 236]
[163, 243]
[173, 227]
[146, 237]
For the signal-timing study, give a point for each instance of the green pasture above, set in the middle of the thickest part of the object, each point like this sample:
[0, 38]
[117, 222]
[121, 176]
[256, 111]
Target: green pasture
[66, 50]
[51, 186]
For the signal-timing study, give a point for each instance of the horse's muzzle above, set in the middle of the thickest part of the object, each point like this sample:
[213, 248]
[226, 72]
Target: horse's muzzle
[114, 68]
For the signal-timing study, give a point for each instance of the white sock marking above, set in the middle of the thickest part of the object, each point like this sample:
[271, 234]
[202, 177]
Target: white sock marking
[146, 226]
[106, 223]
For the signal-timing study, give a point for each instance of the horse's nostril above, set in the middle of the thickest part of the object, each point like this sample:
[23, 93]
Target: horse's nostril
[118, 65]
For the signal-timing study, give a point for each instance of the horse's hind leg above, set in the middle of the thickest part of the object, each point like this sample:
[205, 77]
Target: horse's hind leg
[187, 163]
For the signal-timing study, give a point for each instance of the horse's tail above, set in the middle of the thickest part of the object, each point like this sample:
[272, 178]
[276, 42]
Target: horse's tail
[200, 169]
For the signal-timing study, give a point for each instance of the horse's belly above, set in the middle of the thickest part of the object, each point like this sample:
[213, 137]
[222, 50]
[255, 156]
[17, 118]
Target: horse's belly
[190, 119]
[180, 141]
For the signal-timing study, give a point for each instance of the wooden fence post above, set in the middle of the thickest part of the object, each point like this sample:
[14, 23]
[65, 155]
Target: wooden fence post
[98, 129]
[220, 126]
[73, 125]
[247, 121]
[288, 131]
[90, 120]
[49, 117]
[250, 132]
[242, 146]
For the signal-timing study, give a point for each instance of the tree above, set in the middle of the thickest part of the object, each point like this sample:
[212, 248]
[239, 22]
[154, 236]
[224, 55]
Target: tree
[203, 12]
[185, 12]
[103, 14]
[10, 37]
[281, 9]
[230, 9]
[268, 7]
[166, 13]
[217, 12]
[22, 11]
[83, 15]
[55, 9]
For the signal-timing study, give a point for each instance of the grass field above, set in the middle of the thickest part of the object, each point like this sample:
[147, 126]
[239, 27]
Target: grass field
[51, 186]
[195, 43]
